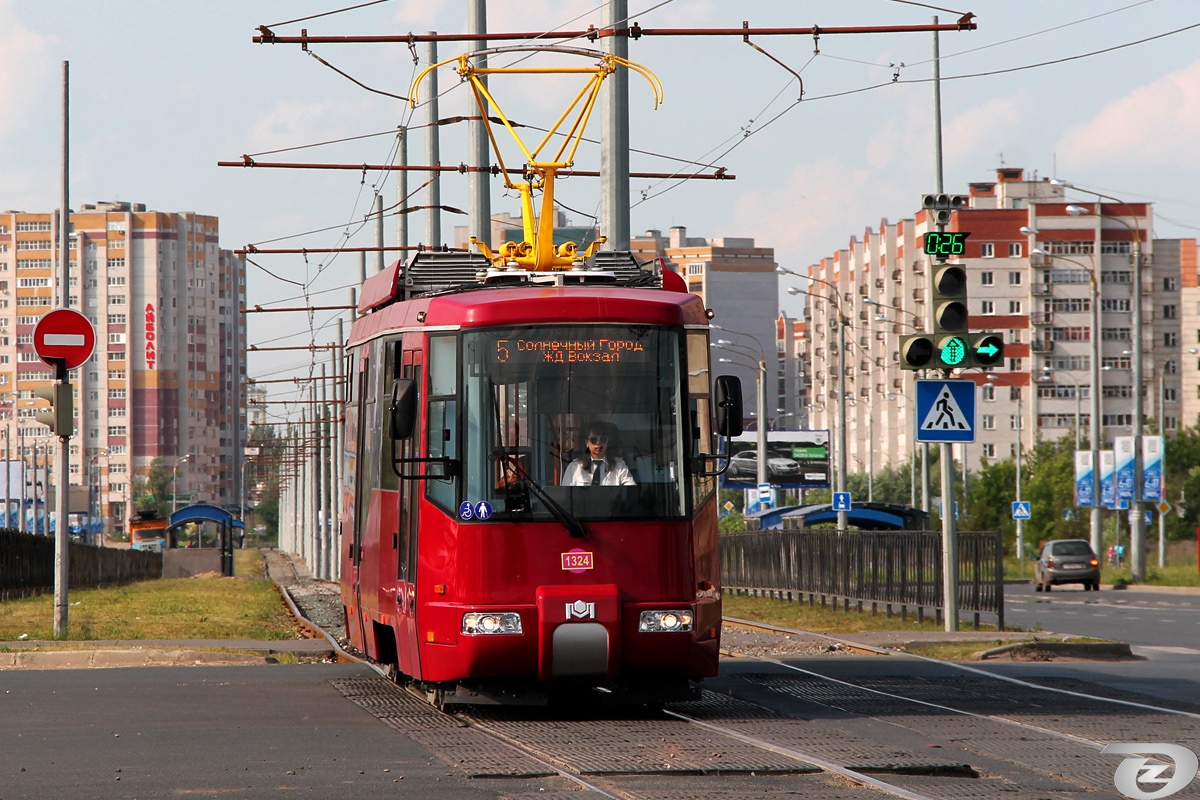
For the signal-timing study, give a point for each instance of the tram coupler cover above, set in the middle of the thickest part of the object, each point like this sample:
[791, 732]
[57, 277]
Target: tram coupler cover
[579, 631]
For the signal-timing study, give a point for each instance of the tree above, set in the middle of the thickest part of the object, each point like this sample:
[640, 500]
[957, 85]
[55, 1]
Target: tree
[152, 492]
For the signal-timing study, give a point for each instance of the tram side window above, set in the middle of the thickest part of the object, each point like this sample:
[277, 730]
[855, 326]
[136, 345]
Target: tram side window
[443, 413]
[382, 386]
[700, 409]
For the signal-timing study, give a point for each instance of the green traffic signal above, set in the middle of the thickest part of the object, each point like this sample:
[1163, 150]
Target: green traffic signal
[987, 349]
[952, 351]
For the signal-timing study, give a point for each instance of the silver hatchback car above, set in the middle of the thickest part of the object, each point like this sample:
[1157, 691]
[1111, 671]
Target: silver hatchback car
[1067, 561]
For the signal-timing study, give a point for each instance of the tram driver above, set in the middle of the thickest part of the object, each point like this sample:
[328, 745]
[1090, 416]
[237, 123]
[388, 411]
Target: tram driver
[598, 466]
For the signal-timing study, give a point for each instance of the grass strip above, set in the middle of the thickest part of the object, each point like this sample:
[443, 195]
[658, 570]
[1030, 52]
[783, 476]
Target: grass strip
[179, 608]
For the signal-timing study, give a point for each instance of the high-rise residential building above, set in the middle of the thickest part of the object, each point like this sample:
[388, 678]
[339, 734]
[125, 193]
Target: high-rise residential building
[1030, 263]
[167, 374]
[737, 280]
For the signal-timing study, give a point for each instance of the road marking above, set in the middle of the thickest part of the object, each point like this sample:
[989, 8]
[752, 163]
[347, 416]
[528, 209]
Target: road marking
[1187, 651]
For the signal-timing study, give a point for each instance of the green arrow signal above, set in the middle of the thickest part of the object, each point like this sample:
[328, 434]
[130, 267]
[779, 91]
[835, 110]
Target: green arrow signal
[988, 349]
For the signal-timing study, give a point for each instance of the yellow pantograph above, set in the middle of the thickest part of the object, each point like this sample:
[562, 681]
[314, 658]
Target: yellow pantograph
[537, 252]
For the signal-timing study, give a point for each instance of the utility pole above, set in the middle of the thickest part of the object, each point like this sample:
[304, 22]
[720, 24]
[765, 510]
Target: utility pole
[949, 534]
[62, 553]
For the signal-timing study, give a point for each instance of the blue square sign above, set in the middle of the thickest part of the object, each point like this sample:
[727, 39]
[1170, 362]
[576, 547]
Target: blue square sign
[841, 501]
[945, 411]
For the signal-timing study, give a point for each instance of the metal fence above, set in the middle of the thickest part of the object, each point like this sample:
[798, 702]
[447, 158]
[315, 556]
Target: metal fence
[27, 565]
[892, 568]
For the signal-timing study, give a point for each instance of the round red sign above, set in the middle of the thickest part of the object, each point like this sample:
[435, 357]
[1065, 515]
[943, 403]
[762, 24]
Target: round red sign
[64, 334]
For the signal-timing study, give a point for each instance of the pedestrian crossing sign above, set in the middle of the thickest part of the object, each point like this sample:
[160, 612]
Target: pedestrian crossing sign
[945, 411]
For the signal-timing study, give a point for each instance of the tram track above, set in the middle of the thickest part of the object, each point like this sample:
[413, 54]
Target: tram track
[460, 737]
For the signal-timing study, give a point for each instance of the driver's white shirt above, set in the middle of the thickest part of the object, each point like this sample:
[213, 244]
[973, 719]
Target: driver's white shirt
[615, 475]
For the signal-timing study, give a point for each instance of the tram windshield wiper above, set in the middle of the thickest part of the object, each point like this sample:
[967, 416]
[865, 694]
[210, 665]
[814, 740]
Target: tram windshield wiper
[560, 514]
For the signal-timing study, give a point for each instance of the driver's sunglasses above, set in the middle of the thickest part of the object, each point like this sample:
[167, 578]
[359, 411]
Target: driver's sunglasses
[597, 440]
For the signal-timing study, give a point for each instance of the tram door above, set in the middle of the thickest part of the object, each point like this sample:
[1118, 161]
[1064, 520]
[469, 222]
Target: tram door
[408, 644]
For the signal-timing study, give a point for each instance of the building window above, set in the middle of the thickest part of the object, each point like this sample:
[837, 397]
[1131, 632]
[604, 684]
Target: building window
[987, 279]
[1015, 278]
[1014, 422]
[987, 250]
[1170, 312]
[1014, 306]
[1014, 365]
[989, 422]
[989, 450]
[1169, 284]
[987, 307]
[988, 392]
[1170, 339]
[116, 280]
[1014, 249]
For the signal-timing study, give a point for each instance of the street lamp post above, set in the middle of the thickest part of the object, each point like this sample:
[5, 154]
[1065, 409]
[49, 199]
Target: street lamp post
[1096, 520]
[1020, 522]
[175, 483]
[843, 516]
[1137, 535]
[762, 393]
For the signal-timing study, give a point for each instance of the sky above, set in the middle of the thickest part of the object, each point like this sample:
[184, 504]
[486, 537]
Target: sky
[1104, 94]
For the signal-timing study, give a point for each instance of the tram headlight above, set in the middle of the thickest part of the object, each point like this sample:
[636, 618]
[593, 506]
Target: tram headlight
[665, 621]
[493, 622]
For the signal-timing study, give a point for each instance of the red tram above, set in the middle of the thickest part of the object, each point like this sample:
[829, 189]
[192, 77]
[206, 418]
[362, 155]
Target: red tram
[472, 559]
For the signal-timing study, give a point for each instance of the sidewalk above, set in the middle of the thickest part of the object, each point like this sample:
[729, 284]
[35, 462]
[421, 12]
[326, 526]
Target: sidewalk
[155, 652]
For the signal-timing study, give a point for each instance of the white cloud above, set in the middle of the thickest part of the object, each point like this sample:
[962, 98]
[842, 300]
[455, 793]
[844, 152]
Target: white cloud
[1153, 126]
[812, 201]
[24, 69]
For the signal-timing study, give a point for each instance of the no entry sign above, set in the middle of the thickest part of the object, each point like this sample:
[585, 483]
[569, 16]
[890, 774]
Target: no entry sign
[64, 335]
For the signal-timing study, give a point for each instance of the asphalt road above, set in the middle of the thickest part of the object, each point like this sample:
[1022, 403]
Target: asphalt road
[1168, 624]
[151, 732]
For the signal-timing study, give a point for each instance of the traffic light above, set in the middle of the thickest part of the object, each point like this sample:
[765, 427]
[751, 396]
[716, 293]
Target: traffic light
[985, 350]
[916, 351]
[59, 417]
[939, 206]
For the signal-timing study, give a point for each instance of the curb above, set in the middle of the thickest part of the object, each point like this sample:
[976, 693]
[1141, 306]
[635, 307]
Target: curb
[1100, 651]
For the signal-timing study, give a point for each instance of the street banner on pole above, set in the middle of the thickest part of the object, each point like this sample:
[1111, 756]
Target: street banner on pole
[1085, 483]
[1123, 447]
[1152, 468]
[1108, 487]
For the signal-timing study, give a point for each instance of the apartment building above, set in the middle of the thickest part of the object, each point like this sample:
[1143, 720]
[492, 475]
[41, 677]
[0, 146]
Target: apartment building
[737, 280]
[166, 378]
[1030, 260]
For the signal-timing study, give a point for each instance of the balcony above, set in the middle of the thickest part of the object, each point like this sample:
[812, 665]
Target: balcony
[1041, 346]
[1041, 318]
[1041, 289]
[918, 294]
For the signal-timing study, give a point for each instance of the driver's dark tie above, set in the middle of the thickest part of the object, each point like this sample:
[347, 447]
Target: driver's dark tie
[596, 472]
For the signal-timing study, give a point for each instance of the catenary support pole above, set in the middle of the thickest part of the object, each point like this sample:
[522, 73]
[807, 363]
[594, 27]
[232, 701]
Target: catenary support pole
[433, 192]
[614, 142]
[402, 190]
[479, 204]
[377, 211]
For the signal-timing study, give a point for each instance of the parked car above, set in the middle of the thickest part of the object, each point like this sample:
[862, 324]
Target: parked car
[745, 463]
[1066, 561]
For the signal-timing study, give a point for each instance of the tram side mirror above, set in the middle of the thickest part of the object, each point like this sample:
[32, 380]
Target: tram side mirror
[403, 408]
[729, 405]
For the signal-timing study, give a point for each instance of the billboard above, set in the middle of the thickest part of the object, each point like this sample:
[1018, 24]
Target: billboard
[795, 460]
[1085, 479]
[1152, 468]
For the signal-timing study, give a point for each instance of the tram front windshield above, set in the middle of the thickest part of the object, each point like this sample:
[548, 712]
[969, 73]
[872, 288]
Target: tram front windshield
[535, 395]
